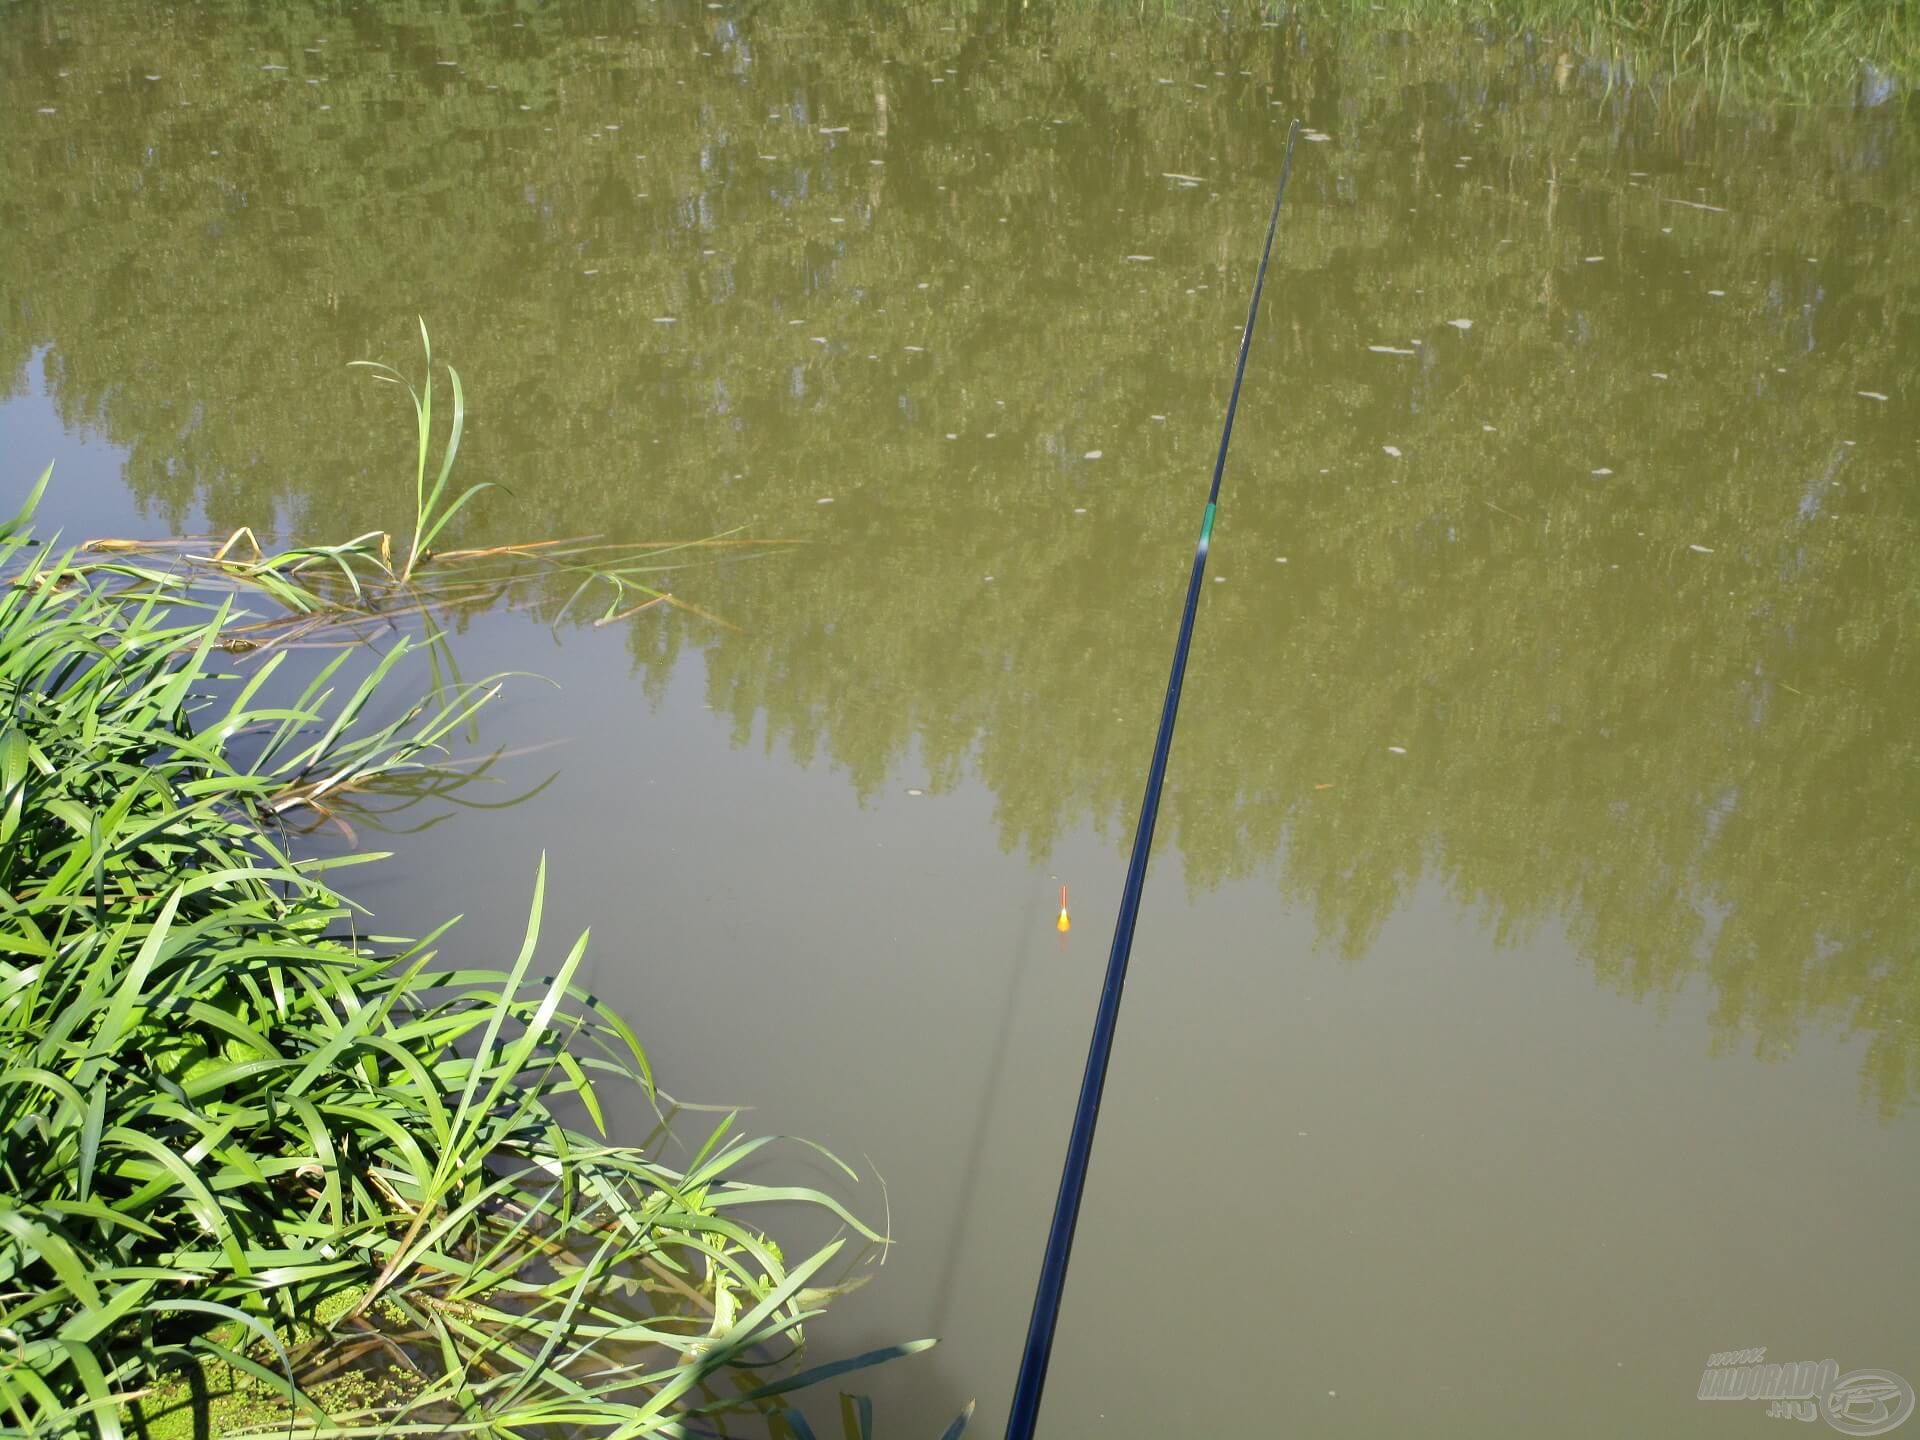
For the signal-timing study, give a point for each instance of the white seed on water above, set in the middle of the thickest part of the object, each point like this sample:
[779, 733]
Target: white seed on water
[1716, 292]
[666, 319]
[952, 436]
[1488, 428]
[1315, 136]
[1595, 259]
[1603, 470]
[824, 500]
[1079, 509]
[1219, 579]
[1279, 559]
[1093, 454]
[1139, 257]
[1870, 395]
[916, 792]
[1388, 350]
[1395, 750]
[1461, 324]
[1393, 450]
[1659, 374]
[1700, 549]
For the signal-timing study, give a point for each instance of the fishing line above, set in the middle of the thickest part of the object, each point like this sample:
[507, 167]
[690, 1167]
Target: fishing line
[1027, 1389]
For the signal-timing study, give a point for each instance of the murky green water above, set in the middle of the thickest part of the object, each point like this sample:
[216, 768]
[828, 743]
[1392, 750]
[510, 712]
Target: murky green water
[1527, 1002]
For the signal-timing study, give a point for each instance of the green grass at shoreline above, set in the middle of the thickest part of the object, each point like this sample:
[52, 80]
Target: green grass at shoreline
[1802, 50]
[260, 1170]
[1803, 40]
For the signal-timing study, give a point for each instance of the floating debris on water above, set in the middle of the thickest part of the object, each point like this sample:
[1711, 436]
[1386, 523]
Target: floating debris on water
[1093, 454]
[1595, 259]
[1870, 395]
[1318, 137]
[1388, 350]
[1079, 509]
[1603, 470]
[1716, 292]
[1279, 559]
[1139, 257]
[666, 319]
[1392, 750]
[1461, 324]
[1659, 374]
[1183, 179]
[952, 436]
[1393, 450]
[1700, 549]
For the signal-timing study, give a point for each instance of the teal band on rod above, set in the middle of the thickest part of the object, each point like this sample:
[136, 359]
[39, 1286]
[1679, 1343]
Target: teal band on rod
[1025, 1411]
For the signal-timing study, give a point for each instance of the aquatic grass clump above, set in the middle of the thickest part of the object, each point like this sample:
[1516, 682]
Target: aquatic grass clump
[345, 587]
[239, 1138]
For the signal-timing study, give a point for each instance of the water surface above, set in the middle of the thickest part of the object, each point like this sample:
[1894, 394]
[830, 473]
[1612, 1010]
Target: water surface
[1526, 1002]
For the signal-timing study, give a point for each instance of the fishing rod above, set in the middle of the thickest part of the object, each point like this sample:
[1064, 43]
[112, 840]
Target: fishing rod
[1027, 1389]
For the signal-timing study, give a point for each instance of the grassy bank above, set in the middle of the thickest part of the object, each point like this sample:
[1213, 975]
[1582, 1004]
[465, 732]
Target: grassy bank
[1828, 50]
[259, 1170]
[1794, 41]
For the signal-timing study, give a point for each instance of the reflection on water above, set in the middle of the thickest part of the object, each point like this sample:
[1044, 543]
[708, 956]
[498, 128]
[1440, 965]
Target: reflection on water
[1566, 549]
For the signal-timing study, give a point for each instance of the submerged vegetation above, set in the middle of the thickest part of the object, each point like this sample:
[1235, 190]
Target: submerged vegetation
[262, 1172]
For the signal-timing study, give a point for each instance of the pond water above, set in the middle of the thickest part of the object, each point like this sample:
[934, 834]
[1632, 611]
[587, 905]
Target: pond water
[1526, 1003]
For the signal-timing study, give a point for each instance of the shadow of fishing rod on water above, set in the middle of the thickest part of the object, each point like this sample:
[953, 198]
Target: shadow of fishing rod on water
[1022, 948]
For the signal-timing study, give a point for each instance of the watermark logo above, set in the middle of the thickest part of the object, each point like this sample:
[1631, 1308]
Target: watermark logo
[1860, 1402]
